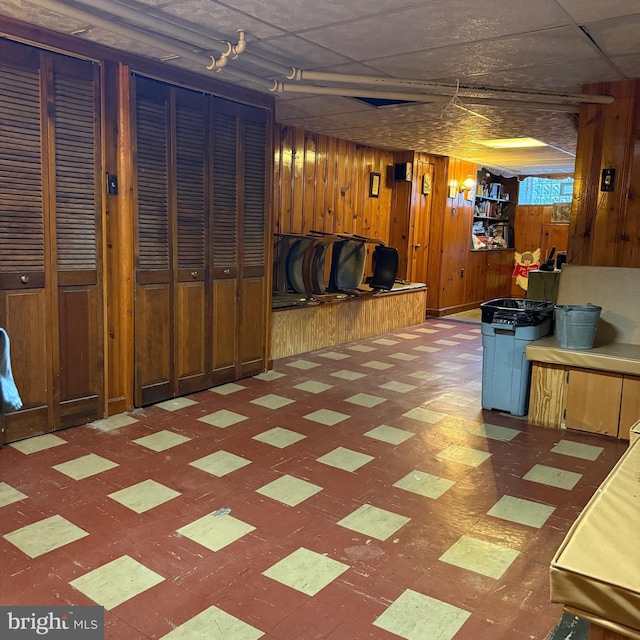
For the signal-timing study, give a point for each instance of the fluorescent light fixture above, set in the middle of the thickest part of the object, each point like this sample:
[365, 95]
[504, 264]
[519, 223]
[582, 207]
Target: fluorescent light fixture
[512, 143]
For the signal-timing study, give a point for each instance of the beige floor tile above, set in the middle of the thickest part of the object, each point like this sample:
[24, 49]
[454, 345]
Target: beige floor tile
[374, 522]
[279, 437]
[327, 417]
[553, 477]
[304, 365]
[451, 366]
[85, 466]
[377, 365]
[406, 357]
[424, 415]
[116, 582]
[446, 343]
[444, 325]
[272, 401]
[391, 435]
[216, 532]
[312, 386]
[334, 355]
[495, 432]
[414, 616]
[400, 387]
[214, 624]
[39, 443]
[270, 375]
[424, 484]
[365, 400]
[289, 490]
[345, 374]
[577, 450]
[345, 459]
[162, 440]
[144, 495]
[363, 348]
[9, 495]
[45, 535]
[114, 422]
[464, 455]
[465, 336]
[425, 330]
[424, 348]
[527, 512]
[306, 571]
[220, 463]
[406, 336]
[176, 404]
[472, 357]
[480, 556]
[227, 389]
[425, 375]
[223, 418]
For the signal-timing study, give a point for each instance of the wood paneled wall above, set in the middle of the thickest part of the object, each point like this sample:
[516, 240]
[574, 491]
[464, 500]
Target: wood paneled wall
[322, 184]
[605, 226]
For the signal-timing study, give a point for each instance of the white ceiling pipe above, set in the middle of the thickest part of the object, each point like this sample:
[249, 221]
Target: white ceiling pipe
[461, 90]
[152, 41]
[163, 23]
[283, 87]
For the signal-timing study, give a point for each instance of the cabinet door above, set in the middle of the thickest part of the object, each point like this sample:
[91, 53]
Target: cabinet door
[592, 401]
[629, 406]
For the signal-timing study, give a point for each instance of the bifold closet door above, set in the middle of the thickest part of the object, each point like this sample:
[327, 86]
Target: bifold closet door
[238, 236]
[50, 211]
[172, 308]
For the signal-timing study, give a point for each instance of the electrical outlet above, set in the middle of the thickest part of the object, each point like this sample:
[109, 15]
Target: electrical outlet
[462, 273]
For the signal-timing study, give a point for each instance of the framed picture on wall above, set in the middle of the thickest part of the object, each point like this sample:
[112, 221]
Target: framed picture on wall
[426, 184]
[561, 212]
[374, 185]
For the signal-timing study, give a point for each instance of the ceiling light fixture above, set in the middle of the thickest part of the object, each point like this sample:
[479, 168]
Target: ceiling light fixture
[512, 143]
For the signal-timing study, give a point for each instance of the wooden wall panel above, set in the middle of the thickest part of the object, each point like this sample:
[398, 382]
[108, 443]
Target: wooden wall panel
[322, 183]
[605, 226]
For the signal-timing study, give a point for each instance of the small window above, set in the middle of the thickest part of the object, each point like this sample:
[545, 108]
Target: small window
[545, 191]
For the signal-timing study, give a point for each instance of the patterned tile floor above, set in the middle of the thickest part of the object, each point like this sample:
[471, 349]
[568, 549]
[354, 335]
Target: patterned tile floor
[351, 493]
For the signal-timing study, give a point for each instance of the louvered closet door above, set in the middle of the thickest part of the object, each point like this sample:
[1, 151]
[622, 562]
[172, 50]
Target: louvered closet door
[224, 238]
[154, 340]
[50, 292]
[192, 306]
[23, 297]
[253, 293]
[77, 210]
[239, 215]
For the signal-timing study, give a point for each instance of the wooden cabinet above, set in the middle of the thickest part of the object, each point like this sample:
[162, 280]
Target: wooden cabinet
[50, 233]
[201, 218]
[584, 399]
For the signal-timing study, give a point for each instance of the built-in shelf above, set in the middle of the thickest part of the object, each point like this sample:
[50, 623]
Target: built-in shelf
[504, 219]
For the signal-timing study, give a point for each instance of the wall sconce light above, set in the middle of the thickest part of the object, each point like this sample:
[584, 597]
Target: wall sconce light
[468, 184]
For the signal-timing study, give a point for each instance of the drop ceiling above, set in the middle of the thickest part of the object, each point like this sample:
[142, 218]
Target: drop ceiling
[525, 51]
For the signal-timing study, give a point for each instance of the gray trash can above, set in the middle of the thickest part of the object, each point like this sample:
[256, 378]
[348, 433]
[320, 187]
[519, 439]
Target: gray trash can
[508, 325]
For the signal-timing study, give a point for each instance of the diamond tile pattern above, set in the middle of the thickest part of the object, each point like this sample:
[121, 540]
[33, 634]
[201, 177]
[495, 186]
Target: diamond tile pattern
[348, 493]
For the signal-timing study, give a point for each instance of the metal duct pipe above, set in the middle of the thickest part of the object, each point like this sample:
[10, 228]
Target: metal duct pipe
[168, 27]
[466, 91]
[283, 87]
[134, 34]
